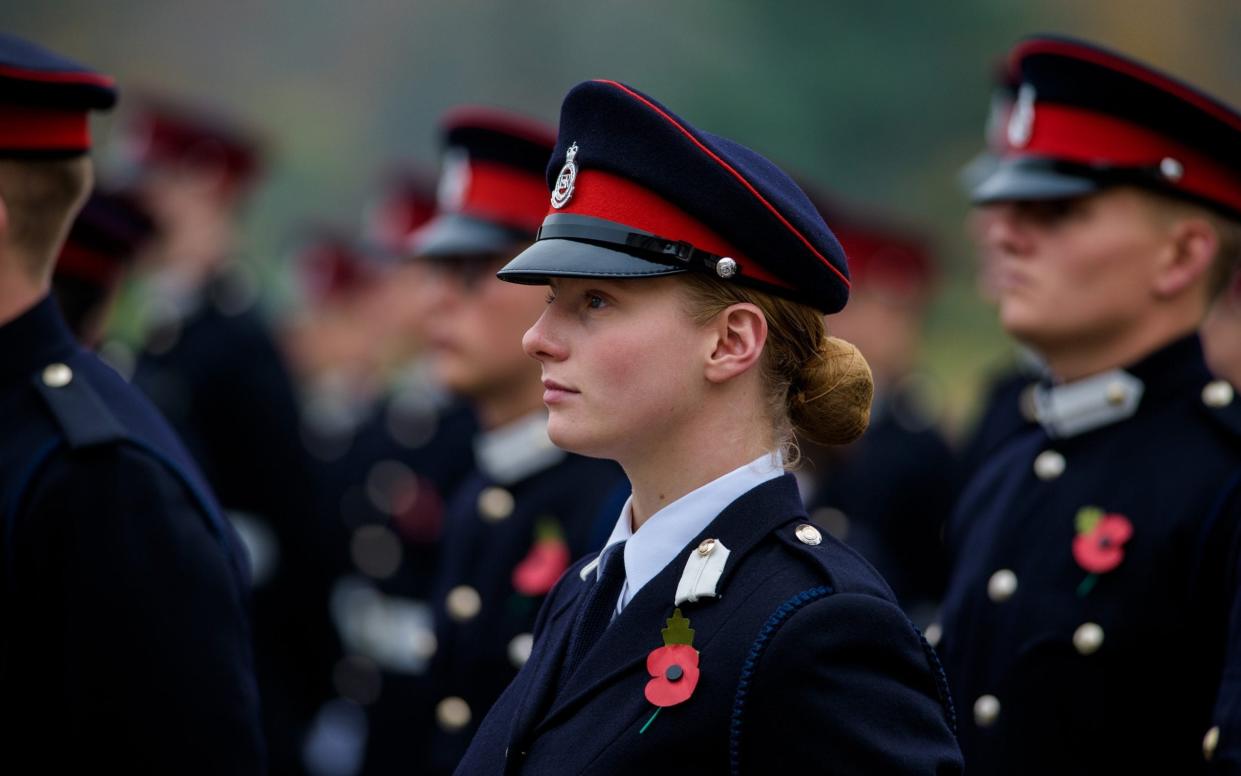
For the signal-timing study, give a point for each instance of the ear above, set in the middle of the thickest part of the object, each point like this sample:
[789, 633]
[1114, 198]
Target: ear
[1192, 246]
[740, 331]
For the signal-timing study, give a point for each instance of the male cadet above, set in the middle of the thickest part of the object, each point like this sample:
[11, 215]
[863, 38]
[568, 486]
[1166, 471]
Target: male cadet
[888, 495]
[125, 642]
[1096, 552]
[528, 508]
[209, 363]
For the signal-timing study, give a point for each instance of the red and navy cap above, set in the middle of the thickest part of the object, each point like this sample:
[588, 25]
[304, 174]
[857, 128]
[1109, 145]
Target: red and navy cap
[45, 101]
[883, 253]
[329, 266]
[638, 192]
[106, 235]
[163, 133]
[404, 202]
[491, 193]
[1086, 118]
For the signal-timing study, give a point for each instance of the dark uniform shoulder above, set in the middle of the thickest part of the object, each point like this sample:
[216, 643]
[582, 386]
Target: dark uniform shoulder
[81, 415]
[840, 567]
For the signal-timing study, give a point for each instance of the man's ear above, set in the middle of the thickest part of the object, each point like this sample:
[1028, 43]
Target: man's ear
[740, 331]
[1193, 244]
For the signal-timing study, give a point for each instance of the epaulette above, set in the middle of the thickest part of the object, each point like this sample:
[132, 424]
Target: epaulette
[79, 411]
[1219, 400]
[842, 568]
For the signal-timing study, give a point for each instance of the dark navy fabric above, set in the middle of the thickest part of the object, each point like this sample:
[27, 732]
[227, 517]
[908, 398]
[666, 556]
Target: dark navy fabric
[759, 209]
[473, 659]
[1143, 700]
[33, 75]
[223, 386]
[125, 640]
[1001, 417]
[806, 664]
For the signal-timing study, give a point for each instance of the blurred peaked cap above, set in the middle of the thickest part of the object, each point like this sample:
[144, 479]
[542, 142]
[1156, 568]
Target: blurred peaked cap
[328, 264]
[883, 252]
[104, 239]
[491, 193]
[45, 101]
[404, 200]
[639, 192]
[1085, 118]
[160, 131]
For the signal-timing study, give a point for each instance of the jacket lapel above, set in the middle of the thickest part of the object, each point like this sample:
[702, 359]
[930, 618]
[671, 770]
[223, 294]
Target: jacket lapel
[636, 631]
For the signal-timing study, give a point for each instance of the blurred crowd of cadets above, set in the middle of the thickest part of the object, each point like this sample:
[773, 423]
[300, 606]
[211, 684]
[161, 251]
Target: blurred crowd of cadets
[334, 451]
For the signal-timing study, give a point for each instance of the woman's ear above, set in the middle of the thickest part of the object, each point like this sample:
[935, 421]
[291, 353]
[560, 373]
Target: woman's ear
[739, 333]
[1193, 245]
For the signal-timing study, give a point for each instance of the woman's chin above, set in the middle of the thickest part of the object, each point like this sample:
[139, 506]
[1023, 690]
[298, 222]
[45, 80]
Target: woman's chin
[573, 437]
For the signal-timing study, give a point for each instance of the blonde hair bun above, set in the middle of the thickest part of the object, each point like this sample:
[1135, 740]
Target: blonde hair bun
[829, 401]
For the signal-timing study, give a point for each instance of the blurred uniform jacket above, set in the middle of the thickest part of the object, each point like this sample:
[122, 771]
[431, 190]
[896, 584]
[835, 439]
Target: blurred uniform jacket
[888, 496]
[512, 528]
[869, 695]
[125, 640]
[215, 373]
[1086, 625]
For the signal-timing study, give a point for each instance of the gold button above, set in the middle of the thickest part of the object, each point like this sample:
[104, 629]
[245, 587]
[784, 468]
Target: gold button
[1002, 585]
[1115, 393]
[707, 547]
[1088, 638]
[835, 521]
[1209, 742]
[1217, 393]
[934, 632]
[495, 504]
[986, 710]
[57, 375]
[519, 649]
[463, 603]
[452, 713]
[808, 534]
[1049, 465]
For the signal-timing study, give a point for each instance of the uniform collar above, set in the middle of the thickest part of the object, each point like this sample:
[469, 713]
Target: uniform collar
[516, 450]
[1069, 409]
[657, 542]
[34, 339]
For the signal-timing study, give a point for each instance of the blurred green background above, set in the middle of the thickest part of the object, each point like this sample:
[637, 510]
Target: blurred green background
[880, 102]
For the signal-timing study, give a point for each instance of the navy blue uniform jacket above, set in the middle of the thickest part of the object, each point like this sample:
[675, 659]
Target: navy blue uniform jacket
[807, 665]
[1119, 674]
[125, 640]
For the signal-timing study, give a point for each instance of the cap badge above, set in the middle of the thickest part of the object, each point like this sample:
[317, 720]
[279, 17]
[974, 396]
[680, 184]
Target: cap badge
[567, 178]
[1021, 122]
[454, 180]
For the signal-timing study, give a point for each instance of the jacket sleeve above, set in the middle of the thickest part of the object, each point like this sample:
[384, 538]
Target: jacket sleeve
[153, 628]
[844, 684]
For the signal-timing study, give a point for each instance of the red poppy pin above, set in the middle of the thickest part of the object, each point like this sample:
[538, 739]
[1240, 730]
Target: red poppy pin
[673, 667]
[1099, 545]
[548, 558]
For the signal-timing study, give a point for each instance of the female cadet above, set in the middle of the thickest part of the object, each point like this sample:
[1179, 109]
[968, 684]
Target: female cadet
[718, 630]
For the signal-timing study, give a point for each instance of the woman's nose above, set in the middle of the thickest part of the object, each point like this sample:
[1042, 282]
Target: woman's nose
[539, 341]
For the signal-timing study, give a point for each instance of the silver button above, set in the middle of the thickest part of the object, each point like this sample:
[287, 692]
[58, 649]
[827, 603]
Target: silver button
[1088, 638]
[726, 267]
[1209, 742]
[1171, 169]
[1115, 393]
[1002, 585]
[495, 504]
[707, 547]
[986, 710]
[808, 534]
[519, 649]
[1049, 465]
[57, 375]
[1217, 393]
[452, 713]
[463, 603]
[934, 632]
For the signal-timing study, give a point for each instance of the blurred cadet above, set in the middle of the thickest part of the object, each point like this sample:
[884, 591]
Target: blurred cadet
[210, 364]
[527, 509]
[1221, 334]
[106, 235]
[125, 641]
[1096, 552]
[719, 630]
[888, 494]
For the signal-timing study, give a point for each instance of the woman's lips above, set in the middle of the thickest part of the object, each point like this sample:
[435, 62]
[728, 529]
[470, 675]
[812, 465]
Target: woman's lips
[554, 392]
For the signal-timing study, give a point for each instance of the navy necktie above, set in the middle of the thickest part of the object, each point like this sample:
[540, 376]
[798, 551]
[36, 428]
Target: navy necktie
[596, 611]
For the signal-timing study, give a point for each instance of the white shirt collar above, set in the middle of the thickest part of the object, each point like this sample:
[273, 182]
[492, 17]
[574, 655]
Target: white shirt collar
[666, 533]
[517, 450]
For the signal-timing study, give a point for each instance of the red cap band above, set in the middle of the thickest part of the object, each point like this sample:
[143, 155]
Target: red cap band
[1086, 137]
[503, 194]
[26, 128]
[612, 198]
[95, 267]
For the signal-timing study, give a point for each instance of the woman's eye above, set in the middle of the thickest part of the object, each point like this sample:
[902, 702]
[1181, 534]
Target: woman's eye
[594, 301]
